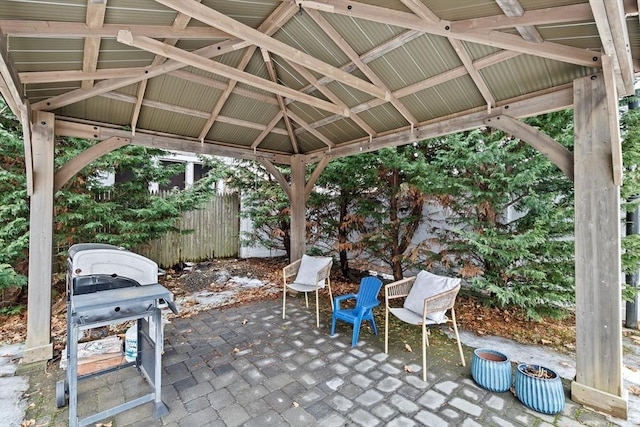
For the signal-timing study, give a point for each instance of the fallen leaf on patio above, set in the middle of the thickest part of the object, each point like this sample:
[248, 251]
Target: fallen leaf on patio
[408, 348]
[407, 368]
[565, 364]
[635, 339]
[631, 368]
[634, 390]
[109, 424]
[296, 404]
[244, 321]
[236, 350]
[28, 423]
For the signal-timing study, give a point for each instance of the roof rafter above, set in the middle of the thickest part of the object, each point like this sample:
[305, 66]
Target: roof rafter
[425, 13]
[555, 51]
[610, 20]
[372, 55]
[226, 71]
[283, 108]
[552, 15]
[10, 88]
[355, 59]
[425, 84]
[279, 17]
[186, 111]
[244, 32]
[94, 19]
[55, 29]
[308, 75]
[270, 126]
[146, 73]
[513, 8]
[179, 23]
[326, 141]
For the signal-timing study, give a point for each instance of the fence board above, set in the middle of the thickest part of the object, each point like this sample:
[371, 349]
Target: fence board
[216, 229]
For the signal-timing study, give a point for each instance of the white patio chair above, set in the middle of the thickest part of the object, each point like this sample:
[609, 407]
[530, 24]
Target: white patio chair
[427, 298]
[311, 274]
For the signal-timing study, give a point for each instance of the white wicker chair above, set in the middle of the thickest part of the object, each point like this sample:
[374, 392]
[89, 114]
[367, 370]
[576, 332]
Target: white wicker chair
[441, 302]
[309, 274]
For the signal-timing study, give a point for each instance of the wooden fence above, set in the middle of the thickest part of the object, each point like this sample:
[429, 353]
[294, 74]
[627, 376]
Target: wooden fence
[216, 229]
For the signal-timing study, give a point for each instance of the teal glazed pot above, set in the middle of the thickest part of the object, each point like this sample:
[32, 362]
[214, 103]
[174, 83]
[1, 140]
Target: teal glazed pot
[542, 394]
[491, 370]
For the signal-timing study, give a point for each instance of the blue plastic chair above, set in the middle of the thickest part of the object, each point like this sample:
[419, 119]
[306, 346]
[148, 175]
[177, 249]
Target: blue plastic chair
[366, 300]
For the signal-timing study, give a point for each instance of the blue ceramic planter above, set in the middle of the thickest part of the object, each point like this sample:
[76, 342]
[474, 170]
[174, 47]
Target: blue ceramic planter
[545, 395]
[491, 370]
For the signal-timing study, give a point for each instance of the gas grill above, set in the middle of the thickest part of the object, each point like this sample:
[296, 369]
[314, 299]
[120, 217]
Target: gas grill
[109, 285]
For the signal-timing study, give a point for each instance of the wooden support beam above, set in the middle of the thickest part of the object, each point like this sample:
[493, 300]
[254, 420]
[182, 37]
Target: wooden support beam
[74, 30]
[335, 36]
[317, 171]
[547, 146]
[271, 70]
[297, 230]
[284, 184]
[39, 346]
[189, 58]
[598, 383]
[11, 90]
[145, 73]
[517, 108]
[95, 18]
[221, 21]
[164, 142]
[614, 119]
[383, 15]
[278, 17]
[551, 15]
[612, 27]
[514, 8]
[92, 153]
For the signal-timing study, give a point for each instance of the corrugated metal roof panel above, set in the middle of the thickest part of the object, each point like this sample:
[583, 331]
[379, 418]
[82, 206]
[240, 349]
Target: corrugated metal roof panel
[342, 130]
[229, 133]
[259, 112]
[361, 35]
[182, 93]
[383, 117]
[302, 33]
[118, 112]
[170, 122]
[44, 10]
[139, 12]
[276, 142]
[419, 59]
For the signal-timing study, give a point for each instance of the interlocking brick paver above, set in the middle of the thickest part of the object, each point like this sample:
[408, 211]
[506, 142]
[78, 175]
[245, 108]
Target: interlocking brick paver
[466, 406]
[296, 375]
[369, 398]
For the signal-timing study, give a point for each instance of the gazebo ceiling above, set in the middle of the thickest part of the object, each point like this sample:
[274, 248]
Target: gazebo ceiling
[270, 79]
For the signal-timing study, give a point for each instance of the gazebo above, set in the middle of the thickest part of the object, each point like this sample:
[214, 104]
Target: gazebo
[302, 82]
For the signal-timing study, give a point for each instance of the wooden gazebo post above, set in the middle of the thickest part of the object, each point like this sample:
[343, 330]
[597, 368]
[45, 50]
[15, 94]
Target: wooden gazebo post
[298, 207]
[39, 346]
[598, 382]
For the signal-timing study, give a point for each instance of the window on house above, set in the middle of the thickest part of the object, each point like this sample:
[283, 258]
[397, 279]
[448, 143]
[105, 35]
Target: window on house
[176, 180]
